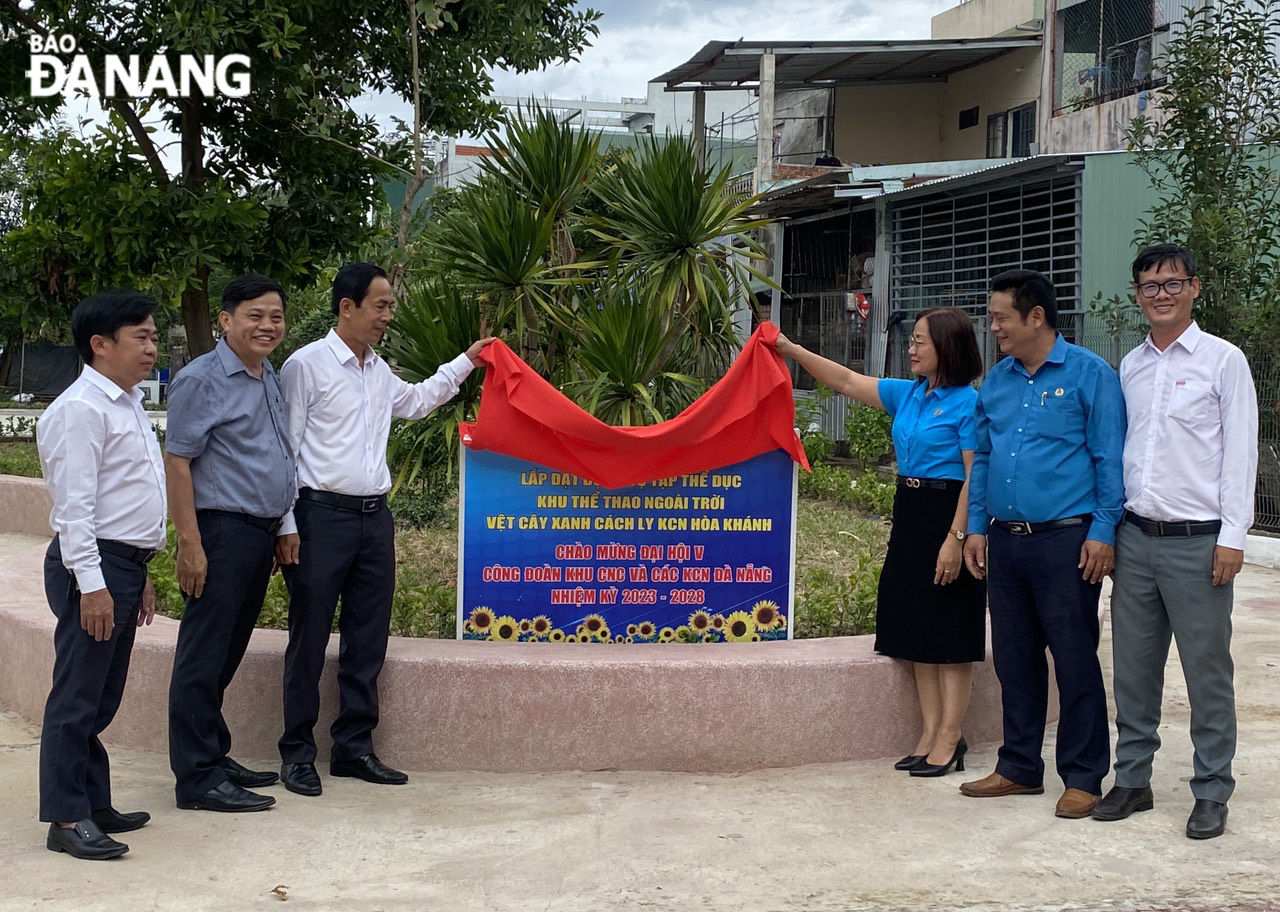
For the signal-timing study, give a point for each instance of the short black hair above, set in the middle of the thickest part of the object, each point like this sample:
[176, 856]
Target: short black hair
[1030, 289]
[1157, 255]
[953, 338]
[104, 314]
[250, 286]
[353, 281]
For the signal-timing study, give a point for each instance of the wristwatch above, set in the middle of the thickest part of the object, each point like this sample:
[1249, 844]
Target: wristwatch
[958, 534]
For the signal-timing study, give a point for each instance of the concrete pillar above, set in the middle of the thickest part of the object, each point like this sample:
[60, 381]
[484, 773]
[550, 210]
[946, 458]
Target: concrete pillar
[764, 138]
[777, 237]
[700, 126]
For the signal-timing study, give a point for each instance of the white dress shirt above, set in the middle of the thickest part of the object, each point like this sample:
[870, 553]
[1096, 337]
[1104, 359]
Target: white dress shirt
[103, 468]
[340, 414]
[1191, 452]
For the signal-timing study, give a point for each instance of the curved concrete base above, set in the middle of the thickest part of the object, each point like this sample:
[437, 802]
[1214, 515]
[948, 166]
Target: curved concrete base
[449, 705]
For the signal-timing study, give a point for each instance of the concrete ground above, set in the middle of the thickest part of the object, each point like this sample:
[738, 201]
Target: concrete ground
[853, 836]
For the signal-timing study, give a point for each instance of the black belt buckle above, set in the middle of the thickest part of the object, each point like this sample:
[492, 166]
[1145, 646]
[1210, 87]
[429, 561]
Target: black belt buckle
[371, 504]
[913, 482]
[1017, 527]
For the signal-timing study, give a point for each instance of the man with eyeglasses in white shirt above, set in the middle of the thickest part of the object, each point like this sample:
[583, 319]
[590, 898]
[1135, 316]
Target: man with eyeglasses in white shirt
[338, 541]
[1190, 463]
[105, 475]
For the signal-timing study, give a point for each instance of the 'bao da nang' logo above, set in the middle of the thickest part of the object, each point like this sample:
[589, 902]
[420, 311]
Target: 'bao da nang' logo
[49, 74]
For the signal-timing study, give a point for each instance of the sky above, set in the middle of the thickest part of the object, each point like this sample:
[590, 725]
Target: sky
[640, 40]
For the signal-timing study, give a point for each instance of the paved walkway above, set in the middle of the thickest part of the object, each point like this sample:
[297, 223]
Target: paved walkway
[854, 836]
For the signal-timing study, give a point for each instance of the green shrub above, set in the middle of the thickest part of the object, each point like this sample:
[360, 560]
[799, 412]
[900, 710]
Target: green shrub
[867, 432]
[868, 492]
[834, 605]
[163, 571]
[19, 458]
[817, 444]
[872, 494]
[428, 610]
[419, 508]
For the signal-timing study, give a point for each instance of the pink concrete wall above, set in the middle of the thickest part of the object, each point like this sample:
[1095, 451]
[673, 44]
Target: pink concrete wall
[24, 506]
[450, 705]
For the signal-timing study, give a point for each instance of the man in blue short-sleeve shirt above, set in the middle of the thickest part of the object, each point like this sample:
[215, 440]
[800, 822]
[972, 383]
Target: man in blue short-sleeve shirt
[1046, 493]
[231, 479]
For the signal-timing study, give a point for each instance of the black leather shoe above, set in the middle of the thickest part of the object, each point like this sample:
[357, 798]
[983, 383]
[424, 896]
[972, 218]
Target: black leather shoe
[84, 840]
[1120, 802]
[369, 768]
[911, 761]
[301, 778]
[228, 797]
[247, 778]
[1208, 819]
[109, 820]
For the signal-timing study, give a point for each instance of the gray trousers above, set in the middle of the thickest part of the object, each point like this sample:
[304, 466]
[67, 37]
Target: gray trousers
[1164, 586]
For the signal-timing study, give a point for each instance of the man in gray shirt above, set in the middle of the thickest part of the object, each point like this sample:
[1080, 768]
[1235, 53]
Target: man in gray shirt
[231, 477]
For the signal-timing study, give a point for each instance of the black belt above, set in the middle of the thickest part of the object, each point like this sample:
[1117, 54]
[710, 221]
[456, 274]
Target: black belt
[128, 552]
[270, 526]
[936, 484]
[370, 504]
[1018, 527]
[1182, 528]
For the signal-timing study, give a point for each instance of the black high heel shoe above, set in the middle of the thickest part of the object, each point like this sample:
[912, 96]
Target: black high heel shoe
[910, 762]
[925, 768]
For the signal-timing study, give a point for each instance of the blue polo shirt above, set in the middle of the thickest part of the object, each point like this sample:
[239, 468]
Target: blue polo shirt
[1050, 446]
[929, 428]
[232, 427]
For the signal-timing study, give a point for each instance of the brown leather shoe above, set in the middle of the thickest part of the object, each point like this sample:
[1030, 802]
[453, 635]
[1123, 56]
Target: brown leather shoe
[1076, 803]
[997, 786]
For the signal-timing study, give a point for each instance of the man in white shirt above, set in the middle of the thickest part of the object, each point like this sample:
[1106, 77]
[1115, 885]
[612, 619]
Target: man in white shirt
[338, 542]
[1190, 462]
[105, 475]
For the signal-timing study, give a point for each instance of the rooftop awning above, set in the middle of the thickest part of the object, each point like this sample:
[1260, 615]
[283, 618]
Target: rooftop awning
[823, 64]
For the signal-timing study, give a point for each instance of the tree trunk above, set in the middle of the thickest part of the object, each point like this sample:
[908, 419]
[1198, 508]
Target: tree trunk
[195, 300]
[11, 345]
[195, 315]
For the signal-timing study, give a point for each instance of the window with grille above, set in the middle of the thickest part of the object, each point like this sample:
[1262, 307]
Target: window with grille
[995, 135]
[1022, 130]
[1011, 133]
[945, 249]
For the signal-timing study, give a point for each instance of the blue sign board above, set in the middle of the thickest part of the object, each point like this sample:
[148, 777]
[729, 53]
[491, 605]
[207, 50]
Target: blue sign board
[547, 556]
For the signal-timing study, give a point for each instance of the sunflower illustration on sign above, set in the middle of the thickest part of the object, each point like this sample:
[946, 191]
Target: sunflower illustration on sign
[739, 627]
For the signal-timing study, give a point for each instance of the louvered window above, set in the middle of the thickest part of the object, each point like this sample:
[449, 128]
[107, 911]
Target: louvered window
[946, 248]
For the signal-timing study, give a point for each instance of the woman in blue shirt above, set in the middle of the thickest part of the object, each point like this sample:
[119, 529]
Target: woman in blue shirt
[930, 611]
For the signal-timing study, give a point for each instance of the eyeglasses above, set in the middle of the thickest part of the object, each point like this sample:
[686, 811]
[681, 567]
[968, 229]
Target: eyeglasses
[918, 341]
[1172, 286]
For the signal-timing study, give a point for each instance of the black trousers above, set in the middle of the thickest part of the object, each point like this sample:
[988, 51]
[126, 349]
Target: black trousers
[88, 680]
[347, 555]
[212, 639]
[1037, 600]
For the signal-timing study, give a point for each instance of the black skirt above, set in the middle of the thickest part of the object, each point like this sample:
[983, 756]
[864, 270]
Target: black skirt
[916, 619]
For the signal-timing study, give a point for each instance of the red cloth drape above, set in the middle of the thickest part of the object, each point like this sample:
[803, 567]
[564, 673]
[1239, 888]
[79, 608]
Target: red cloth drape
[748, 412]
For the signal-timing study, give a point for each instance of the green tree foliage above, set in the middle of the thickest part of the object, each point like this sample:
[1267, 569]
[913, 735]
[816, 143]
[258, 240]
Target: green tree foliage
[276, 181]
[1209, 152]
[615, 276]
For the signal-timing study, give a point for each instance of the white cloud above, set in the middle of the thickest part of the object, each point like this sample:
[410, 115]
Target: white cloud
[639, 41]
